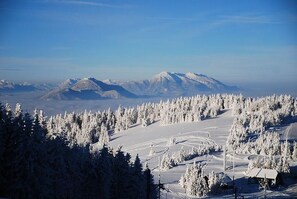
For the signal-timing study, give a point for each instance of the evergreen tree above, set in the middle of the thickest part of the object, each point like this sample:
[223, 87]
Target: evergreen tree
[294, 153]
[138, 183]
[213, 182]
[151, 192]
[152, 152]
[10, 140]
[166, 162]
[194, 182]
[105, 172]
[104, 137]
[37, 164]
[120, 181]
[2, 147]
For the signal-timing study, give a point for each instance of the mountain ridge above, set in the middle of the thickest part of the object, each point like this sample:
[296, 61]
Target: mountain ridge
[164, 84]
[87, 89]
[175, 84]
[11, 87]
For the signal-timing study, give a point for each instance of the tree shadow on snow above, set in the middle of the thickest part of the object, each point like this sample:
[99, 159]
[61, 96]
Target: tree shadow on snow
[182, 141]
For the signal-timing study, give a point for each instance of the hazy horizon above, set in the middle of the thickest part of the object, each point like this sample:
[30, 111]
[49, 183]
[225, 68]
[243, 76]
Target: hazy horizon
[248, 88]
[236, 42]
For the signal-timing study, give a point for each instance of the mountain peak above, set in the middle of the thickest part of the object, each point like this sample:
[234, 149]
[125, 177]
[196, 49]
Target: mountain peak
[163, 74]
[166, 76]
[71, 80]
[89, 78]
[67, 83]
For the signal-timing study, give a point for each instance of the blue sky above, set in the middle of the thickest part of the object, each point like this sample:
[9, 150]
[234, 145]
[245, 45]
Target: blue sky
[230, 40]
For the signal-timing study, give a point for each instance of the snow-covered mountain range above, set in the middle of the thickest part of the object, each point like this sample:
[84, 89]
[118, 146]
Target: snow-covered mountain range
[10, 87]
[175, 84]
[87, 89]
[164, 84]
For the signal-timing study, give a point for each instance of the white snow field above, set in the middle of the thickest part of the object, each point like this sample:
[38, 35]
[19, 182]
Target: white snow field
[154, 138]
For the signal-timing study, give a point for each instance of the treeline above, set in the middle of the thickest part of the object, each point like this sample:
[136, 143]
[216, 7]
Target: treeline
[36, 164]
[86, 128]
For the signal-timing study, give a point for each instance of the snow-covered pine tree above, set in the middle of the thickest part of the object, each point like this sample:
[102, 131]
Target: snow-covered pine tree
[166, 162]
[171, 141]
[285, 150]
[213, 182]
[104, 137]
[145, 122]
[294, 153]
[194, 182]
[285, 165]
[179, 156]
[152, 152]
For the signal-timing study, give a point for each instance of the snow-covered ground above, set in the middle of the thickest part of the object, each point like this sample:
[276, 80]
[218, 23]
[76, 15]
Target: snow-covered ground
[140, 140]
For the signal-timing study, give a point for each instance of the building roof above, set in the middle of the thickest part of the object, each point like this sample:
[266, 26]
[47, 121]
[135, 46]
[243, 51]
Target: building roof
[261, 173]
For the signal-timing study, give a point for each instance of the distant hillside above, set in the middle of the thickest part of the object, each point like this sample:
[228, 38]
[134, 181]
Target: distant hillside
[176, 84]
[10, 87]
[87, 89]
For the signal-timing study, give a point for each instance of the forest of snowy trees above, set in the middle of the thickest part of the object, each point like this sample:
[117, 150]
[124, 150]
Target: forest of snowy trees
[54, 157]
[36, 164]
[249, 129]
[86, 128]
[253, 117]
